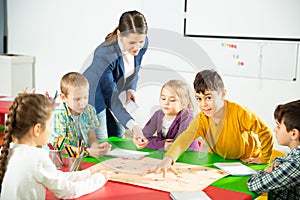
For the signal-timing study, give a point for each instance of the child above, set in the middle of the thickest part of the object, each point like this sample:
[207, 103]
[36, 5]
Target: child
[225, 126]
[175, 115]
[75, 118]
[25, 170]
[282, 179]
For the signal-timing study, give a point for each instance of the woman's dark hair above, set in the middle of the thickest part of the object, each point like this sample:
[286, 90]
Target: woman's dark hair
[130, 22]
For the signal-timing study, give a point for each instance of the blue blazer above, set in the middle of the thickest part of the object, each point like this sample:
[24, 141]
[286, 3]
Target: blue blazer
[106, 79]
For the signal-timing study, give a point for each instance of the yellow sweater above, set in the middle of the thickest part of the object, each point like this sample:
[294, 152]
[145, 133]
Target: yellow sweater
[232, 138]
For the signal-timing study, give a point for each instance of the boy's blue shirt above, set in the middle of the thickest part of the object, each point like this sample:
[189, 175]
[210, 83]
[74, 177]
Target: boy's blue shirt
[64, 124]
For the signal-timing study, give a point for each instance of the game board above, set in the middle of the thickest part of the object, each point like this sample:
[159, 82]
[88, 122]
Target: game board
[189, 178]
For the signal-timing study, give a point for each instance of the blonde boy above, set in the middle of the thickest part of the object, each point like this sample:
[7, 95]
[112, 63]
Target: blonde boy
[75, 118]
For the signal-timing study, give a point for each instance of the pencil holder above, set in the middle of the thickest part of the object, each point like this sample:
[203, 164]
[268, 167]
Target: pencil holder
[75, 163]
[55, 156]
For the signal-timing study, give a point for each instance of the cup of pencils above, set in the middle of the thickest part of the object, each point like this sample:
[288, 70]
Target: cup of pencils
[75, 158]
[75, 163]
[55, 156]
[56, 150]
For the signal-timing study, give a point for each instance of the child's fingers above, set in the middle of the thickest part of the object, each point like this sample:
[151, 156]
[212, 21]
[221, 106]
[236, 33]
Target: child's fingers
[173, 170]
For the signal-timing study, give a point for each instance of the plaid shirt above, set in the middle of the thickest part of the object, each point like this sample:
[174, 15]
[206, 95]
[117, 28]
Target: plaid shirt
[64, 124]
[283, 182]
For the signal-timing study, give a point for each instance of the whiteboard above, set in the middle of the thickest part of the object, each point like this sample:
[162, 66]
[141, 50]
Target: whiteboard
[268, 60]
[254, 19]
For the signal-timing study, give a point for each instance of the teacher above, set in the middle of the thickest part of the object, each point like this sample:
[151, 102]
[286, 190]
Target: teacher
[114, 69]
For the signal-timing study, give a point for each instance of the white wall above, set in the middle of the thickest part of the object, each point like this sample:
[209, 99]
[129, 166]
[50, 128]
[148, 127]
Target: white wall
[62, 33]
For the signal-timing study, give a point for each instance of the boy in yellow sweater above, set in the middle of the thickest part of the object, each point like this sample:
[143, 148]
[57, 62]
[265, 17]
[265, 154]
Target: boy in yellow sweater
[227, 127]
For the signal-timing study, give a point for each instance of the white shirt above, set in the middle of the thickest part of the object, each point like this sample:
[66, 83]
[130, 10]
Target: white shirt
[30, 171]
[166, 126]
[129, 64]
[128, 60]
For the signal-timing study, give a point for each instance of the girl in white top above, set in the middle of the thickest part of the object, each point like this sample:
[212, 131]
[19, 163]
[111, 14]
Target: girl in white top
[25, 170]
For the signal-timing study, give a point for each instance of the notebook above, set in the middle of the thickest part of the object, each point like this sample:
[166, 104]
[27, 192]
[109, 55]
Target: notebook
[200, 195]
[235, 168]
[131, 107]
[128, 154]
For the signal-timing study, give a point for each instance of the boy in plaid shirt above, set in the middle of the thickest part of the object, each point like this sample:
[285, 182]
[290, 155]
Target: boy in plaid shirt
[282, 179]
[75, 118]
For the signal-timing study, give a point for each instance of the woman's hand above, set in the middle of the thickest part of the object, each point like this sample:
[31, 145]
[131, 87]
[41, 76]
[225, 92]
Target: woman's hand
[130, 96]
[139, 139]
[164, 166]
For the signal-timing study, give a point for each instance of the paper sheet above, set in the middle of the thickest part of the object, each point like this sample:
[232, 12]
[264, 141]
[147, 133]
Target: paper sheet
[129, 154]
[131, 106]
[235, 168]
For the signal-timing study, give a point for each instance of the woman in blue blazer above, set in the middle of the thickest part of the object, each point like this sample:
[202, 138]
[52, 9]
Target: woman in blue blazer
[114, 69]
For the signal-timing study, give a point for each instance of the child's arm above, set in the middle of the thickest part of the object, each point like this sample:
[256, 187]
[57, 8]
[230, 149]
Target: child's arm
[185, 139]
[151, 127]
[185, 120]
[283, 176]
[96, 150]
[187, 117]
[67, 185]
[253, 123]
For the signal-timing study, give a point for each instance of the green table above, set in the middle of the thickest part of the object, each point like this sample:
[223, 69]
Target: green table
[234, 183]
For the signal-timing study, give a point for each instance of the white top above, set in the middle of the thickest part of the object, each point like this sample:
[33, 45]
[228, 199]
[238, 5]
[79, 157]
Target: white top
[166, 126]
[128, 60]
[129, 66]
[30, 171]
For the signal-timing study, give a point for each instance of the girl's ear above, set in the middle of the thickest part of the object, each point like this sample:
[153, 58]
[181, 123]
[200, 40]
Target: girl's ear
[37, 129]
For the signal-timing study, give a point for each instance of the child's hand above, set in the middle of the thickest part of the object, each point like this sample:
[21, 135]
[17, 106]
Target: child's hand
[140, 142]
[271, 168]
[168, 143]
[251, 160]
[164, 166]
[98, 168]
[139, 139]
[98, 150]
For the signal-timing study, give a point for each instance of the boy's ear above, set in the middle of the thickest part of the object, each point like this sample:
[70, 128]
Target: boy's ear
[295, 134]
[224, 92]
[63, 97]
